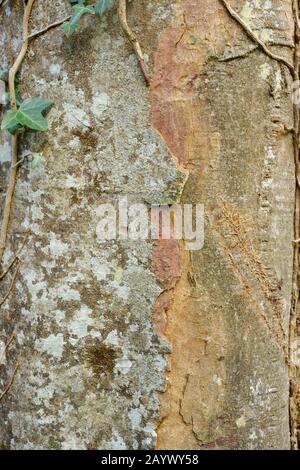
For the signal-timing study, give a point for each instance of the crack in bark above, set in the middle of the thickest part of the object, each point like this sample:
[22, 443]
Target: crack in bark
[186, 423]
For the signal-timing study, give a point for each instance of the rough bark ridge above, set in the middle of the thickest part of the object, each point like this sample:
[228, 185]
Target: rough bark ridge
[216, 128]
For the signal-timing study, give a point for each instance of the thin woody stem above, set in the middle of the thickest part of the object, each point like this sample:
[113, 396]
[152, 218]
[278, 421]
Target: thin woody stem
[7, 388]
[122, 12]
[44, 30]
[12, 284]
[10, 340]
[15, 138]
[256, 39]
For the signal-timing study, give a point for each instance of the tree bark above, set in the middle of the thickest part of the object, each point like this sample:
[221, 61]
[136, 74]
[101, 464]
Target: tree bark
[192, 347]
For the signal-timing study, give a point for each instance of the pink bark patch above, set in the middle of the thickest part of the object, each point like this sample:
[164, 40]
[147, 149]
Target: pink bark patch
[166, 262]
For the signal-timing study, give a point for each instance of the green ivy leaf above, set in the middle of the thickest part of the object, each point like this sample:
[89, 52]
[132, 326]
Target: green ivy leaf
[79, 10]
[10, 122]
[30, 112]
[101, 6]
[68, 28]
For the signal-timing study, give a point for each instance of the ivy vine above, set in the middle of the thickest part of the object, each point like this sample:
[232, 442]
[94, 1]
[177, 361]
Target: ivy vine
[30, 113]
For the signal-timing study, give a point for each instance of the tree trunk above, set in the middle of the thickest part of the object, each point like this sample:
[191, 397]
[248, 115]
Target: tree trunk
[143, 344]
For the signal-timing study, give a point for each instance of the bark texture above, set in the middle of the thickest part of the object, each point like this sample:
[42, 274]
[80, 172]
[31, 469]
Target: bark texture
[137, 345]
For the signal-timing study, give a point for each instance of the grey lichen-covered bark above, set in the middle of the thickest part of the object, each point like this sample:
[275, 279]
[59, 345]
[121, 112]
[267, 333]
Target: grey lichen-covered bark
[214, 128]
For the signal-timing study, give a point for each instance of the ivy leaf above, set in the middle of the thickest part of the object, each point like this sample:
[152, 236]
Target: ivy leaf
[79, 10]
[68, 28]
[101, 6]
[10, 122]
[30, 112]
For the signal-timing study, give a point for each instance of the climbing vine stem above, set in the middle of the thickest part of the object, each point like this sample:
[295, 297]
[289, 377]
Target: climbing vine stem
[17, 117]
[15, 137]
[122, 12]
[29, 114]
[7, 388]
[256, 39]
[48, 27]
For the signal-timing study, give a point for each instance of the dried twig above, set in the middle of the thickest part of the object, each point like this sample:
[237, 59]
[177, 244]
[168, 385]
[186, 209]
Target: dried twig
[122, 12]
[183, 32]
[256, 39]
[8, 386]
[12, 284]
[23, 158]
[14, 160]
[9, 196]
[9, 267]
[240, 55]
[44, 30]
[12, 262]
[10, 340]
